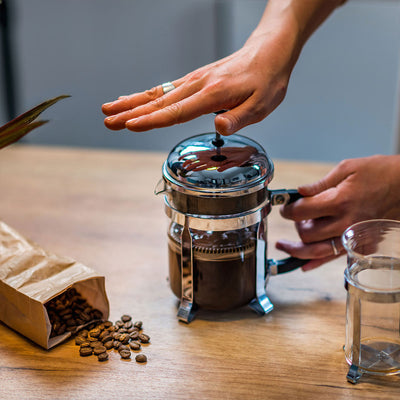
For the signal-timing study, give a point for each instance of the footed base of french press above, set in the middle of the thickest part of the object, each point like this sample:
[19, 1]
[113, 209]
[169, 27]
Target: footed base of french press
[261, 305]
[186, 311]
[354, 374]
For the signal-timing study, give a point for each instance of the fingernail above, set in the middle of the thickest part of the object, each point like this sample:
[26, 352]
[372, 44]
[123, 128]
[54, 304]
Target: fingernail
[131, 121]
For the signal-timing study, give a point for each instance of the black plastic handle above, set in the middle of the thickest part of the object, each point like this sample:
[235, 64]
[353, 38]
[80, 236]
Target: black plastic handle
[286, 264]
[284, 196]
[280, 197]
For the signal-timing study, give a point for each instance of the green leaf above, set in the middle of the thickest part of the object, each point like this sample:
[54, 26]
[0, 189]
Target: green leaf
[22, 125]
[17, 134]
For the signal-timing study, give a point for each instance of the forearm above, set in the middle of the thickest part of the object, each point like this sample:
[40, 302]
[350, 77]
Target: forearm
[290, 23]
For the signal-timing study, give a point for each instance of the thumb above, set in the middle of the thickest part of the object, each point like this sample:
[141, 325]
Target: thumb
[225, 124]
[237, 118]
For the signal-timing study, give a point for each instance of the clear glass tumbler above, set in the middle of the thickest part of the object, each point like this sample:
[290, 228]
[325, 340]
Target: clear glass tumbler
[372, 281]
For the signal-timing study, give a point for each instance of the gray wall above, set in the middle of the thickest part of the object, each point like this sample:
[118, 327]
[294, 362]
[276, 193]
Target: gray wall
[341, 103]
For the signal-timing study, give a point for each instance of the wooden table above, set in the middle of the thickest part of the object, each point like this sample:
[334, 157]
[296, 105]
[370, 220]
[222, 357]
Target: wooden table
[99, 208]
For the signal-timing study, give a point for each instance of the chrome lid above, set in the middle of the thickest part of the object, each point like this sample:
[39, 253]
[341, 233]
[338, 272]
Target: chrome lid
[211, 165]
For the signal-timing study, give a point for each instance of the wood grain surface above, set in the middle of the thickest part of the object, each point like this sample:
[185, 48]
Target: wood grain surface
[99, 208]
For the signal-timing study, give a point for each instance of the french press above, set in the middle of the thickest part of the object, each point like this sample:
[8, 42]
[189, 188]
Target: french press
[217, 201]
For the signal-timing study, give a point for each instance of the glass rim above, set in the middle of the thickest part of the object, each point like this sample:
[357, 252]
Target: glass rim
[383, 221]
[349, 277]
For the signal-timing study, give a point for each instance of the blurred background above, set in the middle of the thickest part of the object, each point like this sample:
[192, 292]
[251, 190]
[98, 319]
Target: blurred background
[342, 102]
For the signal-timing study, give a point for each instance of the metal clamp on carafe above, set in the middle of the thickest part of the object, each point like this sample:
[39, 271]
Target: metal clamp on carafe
[217, 201]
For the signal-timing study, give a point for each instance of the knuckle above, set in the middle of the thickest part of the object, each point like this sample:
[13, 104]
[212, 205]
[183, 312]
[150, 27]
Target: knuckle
[152, 93]
[158, 103]
[346, 165]
[305, 230]
[175, 111]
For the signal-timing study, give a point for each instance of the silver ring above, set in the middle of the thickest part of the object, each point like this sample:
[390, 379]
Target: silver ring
[336, 252]
[167, 87]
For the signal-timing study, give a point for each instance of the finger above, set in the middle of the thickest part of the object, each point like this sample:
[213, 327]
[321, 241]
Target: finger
[332, 179]
[196, 165]
[316, 250]
[199, 167]
[224, 167]
[324, 204]
[316, 263]
[238, 117]
[189, 162]
[125, 103]
[158, 101]
[169, 113]
[315, 230]
[183, 156]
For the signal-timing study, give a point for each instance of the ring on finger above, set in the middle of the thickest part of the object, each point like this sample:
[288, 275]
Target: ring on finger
[167, 87]
[336, 252]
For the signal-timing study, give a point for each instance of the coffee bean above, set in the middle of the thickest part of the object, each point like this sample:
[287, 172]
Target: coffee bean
[124, 338]
[128, 325]
[107, 338]
[85, 351]
[103, 356]
[134, 335]
[144, 338]
[109, 345]
[99, 337]
[96, 314]
[65, 313]
[135, 346]
[101, 327]
[84, 333]
[95, 333]
[138, 324]
[126, 318]
[79, 340]
[103, 334]
[125, 354]
[98, 350]
[115, 335]
[68, 311]
[119, 324]
[141, 358]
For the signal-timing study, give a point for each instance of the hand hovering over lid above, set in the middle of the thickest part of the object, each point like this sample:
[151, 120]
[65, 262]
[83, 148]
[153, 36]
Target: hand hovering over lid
[355, 190]
[249, 83]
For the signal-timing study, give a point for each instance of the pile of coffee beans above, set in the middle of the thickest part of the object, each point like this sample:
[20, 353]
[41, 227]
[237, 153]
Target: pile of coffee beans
[124, 336]
[70, 310]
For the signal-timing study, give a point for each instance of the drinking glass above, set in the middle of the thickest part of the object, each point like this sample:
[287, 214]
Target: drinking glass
[372, 281]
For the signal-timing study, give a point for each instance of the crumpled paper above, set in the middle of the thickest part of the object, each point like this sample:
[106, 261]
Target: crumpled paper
[31, 276]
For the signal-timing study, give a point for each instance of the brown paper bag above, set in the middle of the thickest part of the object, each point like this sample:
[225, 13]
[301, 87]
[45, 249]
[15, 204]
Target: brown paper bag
[31, 276]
